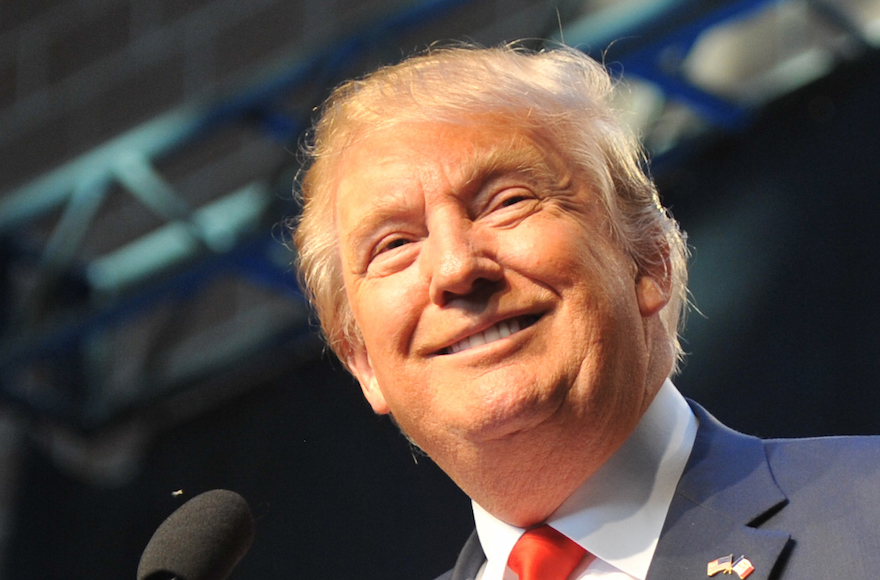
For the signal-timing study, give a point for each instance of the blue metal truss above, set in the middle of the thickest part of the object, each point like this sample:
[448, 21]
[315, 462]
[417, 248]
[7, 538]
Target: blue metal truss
[638, 40]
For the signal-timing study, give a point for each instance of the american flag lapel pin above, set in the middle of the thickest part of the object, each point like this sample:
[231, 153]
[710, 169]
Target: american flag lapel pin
[723, 564]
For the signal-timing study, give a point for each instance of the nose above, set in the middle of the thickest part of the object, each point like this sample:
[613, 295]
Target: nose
[461, 263]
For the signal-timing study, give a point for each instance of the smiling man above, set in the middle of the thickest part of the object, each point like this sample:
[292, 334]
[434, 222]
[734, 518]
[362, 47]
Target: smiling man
[489, 260]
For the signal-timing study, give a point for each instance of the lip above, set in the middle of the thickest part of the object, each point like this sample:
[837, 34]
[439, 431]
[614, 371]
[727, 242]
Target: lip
[489, 333]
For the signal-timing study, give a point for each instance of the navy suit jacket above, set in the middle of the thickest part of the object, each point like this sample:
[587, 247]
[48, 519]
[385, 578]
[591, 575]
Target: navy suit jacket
[796, 508]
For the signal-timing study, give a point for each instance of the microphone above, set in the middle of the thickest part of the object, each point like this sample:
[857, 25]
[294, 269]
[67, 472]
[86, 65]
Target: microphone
[202, 540]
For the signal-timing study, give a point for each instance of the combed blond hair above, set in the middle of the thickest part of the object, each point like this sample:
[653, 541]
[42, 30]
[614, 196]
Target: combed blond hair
[559, 92]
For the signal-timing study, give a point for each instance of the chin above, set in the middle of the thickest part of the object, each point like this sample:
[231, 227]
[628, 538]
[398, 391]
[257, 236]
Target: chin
[513, 419]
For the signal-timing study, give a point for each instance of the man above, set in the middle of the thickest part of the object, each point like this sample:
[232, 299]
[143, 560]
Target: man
[489, 260]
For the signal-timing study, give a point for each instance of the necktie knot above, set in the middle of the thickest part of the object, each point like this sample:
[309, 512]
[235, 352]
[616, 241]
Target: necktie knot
[543, 553]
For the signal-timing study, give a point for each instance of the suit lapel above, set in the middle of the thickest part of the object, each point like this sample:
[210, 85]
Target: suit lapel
[727, 489]
[470, 559]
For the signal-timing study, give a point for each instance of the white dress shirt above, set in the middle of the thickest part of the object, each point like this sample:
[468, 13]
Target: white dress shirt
[618, 513]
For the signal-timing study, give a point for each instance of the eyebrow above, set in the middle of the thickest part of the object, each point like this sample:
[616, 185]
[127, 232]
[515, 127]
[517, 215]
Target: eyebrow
[510, 157]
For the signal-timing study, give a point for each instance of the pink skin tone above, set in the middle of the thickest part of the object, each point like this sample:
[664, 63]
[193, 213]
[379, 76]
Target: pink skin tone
[504, 329]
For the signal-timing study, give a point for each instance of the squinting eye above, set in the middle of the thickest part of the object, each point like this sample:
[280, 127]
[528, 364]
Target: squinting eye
[395, 243]
[393, 254]
[513, 200]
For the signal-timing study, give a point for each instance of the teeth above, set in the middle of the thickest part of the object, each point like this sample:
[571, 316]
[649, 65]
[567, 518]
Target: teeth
[501, 330]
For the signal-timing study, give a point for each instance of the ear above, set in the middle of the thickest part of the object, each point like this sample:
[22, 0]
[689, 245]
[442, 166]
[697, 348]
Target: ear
[358, 362]
[653, 295]
[654, 289]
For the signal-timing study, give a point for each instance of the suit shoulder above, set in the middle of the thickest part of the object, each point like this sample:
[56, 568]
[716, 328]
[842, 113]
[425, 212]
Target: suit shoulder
[825, 462]
[862, 447]
[445, 576]
[832, 490]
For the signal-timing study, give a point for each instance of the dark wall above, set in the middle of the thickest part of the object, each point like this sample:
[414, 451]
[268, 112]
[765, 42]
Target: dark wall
[335, 490]
[785, 272]
[786, 264]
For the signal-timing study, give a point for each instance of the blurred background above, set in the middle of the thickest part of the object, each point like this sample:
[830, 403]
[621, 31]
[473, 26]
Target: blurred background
[153, 340]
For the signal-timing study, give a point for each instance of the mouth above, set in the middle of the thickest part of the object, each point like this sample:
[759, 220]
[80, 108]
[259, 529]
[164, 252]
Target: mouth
[496, 332]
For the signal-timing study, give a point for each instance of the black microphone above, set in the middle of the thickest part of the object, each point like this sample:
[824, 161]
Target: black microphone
[202, 540]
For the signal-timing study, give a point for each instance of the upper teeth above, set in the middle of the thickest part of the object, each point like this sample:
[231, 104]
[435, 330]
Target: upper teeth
[501, 330]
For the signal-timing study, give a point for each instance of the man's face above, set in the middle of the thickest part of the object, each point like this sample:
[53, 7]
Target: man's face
[493, 303]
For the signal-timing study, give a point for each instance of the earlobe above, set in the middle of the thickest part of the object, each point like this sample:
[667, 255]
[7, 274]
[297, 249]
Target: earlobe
[358, 362]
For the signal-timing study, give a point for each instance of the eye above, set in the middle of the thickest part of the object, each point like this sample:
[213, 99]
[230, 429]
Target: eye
[391, 244]
[392, 254]
[511, 205]
[513, 200]
[510, 196]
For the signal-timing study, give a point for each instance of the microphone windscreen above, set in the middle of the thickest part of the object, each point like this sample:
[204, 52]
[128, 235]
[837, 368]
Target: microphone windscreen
[202, 540]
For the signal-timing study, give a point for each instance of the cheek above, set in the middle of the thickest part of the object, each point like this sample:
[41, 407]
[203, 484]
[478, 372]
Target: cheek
[540, 250]
[387, 311]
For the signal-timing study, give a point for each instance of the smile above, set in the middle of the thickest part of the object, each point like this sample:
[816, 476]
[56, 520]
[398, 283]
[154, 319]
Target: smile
[501, 330]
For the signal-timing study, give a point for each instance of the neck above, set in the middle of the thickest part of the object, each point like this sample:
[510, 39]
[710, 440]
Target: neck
[530, 495]
[523, 479]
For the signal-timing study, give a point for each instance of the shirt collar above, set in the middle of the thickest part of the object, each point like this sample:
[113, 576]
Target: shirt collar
[617, 514]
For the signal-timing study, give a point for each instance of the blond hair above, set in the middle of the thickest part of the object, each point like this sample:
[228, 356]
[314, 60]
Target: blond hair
[559, 92]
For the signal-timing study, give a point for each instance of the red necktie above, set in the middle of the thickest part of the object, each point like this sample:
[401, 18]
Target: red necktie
[544, 554]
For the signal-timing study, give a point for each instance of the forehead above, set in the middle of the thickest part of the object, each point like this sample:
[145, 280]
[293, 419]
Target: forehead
[383, 166]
